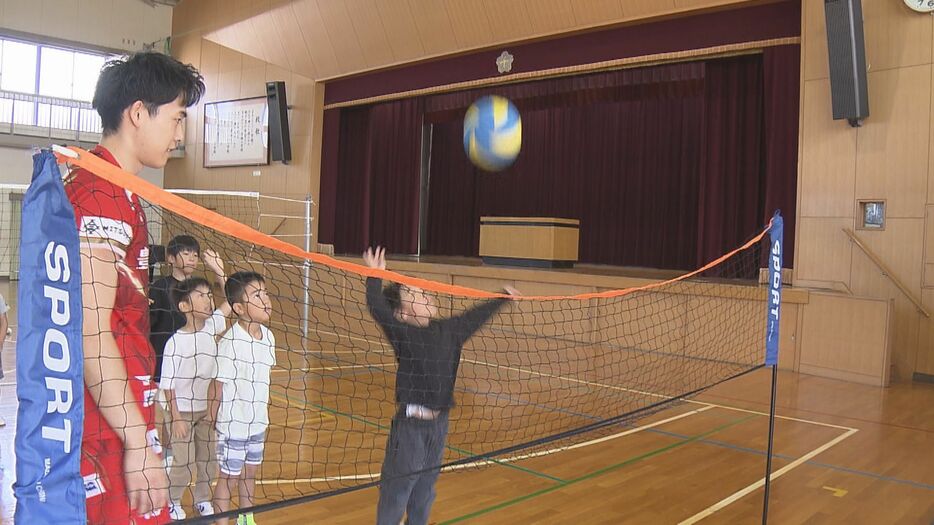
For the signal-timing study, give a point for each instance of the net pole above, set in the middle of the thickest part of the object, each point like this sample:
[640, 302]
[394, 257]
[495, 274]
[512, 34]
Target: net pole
[773, 315]
[306, 267]
[768, 457]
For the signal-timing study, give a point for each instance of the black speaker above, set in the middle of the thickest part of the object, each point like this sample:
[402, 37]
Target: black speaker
[847, 53]
[280, 143]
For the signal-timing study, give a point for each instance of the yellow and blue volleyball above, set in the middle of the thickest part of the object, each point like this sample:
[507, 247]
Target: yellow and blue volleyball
[492, 133]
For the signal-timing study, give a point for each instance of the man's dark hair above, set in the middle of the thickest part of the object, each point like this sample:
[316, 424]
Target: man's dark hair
[181, 291]
[153, 78]
[180, 243]
[235, 288]
[393, 295]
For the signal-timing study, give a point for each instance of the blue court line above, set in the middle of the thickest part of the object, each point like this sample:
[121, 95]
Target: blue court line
[873, 475]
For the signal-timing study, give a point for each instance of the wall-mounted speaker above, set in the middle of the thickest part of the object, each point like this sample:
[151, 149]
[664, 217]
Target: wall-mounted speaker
[280, 142]
[847, 53]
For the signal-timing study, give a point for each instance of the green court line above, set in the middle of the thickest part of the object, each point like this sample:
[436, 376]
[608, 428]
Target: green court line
[449, 447]
[596, 473]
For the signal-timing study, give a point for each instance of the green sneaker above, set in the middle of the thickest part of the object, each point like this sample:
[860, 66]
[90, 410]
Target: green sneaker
[246, 519]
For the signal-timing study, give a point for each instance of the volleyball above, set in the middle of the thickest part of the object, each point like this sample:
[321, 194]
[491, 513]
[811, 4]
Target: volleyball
[492, 133]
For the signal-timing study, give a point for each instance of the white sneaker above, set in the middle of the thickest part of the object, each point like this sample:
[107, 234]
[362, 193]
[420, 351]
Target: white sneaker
[176, 512]
[205, 508]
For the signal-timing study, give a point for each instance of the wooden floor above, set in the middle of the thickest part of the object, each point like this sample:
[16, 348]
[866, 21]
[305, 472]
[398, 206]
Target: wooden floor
[845, 453]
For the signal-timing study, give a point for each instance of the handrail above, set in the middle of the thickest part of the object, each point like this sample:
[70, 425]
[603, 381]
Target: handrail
[886, 271]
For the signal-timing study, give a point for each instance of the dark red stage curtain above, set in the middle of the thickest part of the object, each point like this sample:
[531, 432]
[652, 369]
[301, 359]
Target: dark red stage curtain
[781, 83]
[376, 187]
[620, 151]
[666, 166]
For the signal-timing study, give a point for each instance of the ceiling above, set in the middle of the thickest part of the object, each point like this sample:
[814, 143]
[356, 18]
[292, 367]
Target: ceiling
[323, 39]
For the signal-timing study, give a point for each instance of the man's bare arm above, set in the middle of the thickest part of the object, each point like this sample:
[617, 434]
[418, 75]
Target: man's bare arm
[106, 379]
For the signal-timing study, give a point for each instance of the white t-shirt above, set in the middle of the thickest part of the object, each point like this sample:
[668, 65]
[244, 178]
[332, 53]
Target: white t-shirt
[243, 366]
[4, 308]
[190, 364]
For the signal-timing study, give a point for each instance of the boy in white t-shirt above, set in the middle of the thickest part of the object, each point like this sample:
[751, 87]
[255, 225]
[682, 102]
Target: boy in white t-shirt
[245, 356]
[188, 372]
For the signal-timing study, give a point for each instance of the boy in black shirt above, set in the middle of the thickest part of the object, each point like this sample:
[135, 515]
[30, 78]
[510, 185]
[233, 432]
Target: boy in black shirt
[182, 254]
[428, 351]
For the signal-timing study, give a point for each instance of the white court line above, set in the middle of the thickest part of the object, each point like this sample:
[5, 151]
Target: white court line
[849, 431]
[329, 368]
[510, 459]
[618, 388]
[755, 486]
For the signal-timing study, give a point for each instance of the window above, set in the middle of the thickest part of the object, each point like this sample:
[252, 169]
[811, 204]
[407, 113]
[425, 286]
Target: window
[48, 87]
[18, 69]
[56, 73]
[87, 69]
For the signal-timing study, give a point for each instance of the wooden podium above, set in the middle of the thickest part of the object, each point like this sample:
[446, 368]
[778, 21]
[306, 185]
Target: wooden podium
[544, 242]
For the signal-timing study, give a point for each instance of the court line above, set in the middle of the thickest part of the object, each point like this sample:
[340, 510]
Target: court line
[849, 431]
[330, 368]
[598, 472]
[288, 401]
[829, 466]
[610, 387]
[509, 459]
[758, 484]
[383, 427]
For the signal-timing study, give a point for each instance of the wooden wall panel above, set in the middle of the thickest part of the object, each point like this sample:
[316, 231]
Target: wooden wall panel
[236, 76]
[434, 26]
[509, 17]
[646, 8]
[846, 338]
[470, 21]
[900, 246]
[892, 157]
[401, 29]
[930, 185]
[905, 343]
[828, 157]
[315, 35]
[369, 30]
[550, 16]
[596, 12]
[824, 252]
[360, 35]
[892, 34]
[340, 30]
[789, 328]
[928, 271]
[293, 41]
[902, 241]
[924, 362]
[815, 63]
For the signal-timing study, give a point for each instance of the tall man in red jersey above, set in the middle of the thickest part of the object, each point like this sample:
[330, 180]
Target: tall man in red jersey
[142, 102]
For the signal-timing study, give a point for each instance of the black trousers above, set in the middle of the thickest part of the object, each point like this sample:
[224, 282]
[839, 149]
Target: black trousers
[411, 466]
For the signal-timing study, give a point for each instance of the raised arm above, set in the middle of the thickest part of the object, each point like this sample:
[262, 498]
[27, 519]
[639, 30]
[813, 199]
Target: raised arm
[215, 264]
[468, 322]
[376, 302]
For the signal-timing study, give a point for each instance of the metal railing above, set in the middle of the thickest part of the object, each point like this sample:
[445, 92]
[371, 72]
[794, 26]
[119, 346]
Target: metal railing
[48, 117]
[886, 271]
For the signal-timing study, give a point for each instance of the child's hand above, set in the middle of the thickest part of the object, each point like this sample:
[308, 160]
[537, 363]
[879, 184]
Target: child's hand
[512, 291]
[213, 261]
[375, 258]
[180, 429]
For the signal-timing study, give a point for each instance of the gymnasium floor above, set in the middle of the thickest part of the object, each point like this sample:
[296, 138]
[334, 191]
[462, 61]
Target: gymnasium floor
[845, 453]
